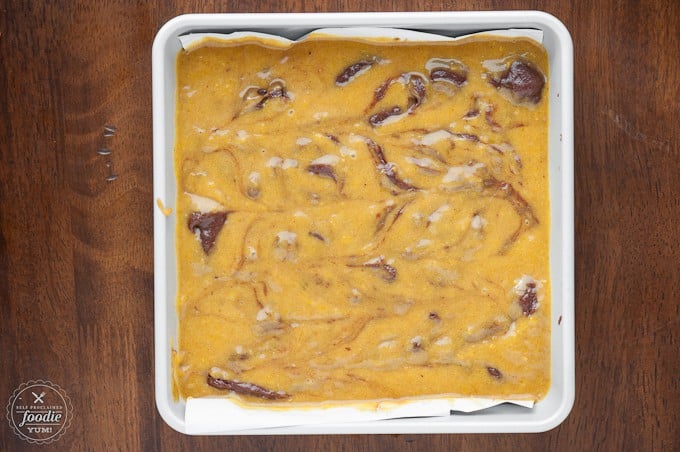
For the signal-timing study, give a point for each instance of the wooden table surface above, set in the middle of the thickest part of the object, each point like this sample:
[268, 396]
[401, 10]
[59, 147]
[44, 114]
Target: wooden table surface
[76, 252]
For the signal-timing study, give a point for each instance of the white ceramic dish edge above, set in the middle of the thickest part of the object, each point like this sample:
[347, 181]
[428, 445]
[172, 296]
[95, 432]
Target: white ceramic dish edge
[549, 412]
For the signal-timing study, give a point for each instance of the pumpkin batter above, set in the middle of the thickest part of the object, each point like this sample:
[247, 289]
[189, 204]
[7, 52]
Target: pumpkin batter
[363, 220]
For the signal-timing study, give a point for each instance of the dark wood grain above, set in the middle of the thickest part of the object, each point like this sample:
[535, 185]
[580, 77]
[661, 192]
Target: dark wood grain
[76, 266]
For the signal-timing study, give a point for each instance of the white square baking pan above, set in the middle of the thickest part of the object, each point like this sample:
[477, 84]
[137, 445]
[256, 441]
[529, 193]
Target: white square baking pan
[548, 412]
